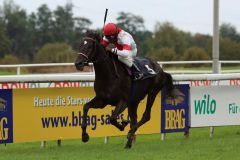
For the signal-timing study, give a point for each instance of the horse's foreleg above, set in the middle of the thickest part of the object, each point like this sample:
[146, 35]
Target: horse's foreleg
[113, 119]
[94, 103]
[85, 136]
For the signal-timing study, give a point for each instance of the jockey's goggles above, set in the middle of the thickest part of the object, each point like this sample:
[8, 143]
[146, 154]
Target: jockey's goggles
[111, 37]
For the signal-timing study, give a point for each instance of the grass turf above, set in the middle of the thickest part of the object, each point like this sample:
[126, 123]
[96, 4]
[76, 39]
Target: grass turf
[224, 145]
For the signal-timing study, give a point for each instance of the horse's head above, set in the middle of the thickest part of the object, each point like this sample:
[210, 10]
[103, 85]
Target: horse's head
[88, 49]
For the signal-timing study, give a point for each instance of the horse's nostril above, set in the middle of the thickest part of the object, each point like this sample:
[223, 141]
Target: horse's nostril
[76, 64]
[79, 65]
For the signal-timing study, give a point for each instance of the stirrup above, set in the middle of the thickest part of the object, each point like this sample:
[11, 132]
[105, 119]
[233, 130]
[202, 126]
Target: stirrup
[138, 76]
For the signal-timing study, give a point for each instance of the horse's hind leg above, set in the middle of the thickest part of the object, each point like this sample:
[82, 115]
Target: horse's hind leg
[119, 109]
[146, 117]
[94, 103]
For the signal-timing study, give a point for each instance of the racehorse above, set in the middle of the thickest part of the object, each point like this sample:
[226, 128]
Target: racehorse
[114, 86]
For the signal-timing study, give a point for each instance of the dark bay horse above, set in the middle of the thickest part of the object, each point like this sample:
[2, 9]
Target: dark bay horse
[113, 86]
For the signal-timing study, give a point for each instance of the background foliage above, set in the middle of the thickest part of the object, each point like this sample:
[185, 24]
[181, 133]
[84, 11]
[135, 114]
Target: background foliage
[50, 35]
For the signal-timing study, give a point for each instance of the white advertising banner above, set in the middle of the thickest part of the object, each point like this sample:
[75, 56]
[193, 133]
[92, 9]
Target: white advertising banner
[214, 106]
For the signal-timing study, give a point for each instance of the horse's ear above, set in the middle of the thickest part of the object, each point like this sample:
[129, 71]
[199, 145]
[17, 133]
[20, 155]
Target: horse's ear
[94, 34]
[99, 36]
[88, 32]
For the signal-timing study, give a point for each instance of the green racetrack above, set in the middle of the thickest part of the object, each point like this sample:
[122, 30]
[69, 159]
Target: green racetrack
[223, 146]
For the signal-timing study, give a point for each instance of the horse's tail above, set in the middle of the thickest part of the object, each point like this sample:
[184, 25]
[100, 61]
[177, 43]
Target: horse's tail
[168, 83]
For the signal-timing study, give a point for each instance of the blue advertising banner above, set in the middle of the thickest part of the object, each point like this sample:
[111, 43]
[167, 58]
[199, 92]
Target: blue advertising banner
[174, 112]
[6, 120]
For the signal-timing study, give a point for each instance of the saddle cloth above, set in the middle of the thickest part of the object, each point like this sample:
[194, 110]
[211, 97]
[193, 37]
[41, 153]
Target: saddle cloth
[145, 66]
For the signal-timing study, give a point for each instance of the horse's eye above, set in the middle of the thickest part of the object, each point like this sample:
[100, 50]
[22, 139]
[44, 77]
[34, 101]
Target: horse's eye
[85, 42]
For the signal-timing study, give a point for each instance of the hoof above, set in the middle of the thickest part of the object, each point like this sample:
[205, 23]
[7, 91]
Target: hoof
[128, 146]
[125, 123]
[85, 137]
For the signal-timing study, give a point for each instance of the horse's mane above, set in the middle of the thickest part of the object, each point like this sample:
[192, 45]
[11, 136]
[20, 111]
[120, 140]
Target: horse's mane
[94, 34]
[98, 36]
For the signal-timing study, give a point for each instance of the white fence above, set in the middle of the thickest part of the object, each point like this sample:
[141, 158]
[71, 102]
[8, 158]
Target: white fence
[90, 77]
[162, 64]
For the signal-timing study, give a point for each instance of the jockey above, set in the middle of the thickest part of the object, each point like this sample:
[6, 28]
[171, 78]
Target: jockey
[125, 46]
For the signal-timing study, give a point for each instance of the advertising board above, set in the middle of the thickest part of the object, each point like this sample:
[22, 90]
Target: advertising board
[56, 113]
[174, 112]
[215, 106]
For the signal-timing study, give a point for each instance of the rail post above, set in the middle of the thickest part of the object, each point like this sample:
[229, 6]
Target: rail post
[43, 144]
[18, 70]
[106, 140]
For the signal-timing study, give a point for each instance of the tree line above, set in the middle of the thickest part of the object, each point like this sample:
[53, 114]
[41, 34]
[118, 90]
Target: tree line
[54, 35]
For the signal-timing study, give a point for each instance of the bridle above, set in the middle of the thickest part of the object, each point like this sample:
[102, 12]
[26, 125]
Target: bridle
[96, 60]
[90, 59]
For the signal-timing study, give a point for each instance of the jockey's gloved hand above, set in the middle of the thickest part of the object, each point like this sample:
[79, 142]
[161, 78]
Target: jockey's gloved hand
[114, 50]
[109, 49]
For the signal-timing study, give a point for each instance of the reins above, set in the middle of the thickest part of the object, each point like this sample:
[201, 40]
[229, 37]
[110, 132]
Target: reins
[99, 60]
[115, 67]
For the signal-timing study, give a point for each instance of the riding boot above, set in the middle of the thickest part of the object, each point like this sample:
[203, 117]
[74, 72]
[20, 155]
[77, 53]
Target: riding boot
[137, 74]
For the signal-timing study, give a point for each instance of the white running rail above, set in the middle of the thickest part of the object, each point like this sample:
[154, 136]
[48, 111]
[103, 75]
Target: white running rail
[85, 77]
[163, 63]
